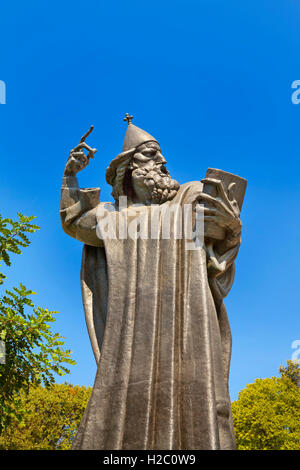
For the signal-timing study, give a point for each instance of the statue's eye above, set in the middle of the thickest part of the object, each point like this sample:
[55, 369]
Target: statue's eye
[150, 152]
[140, 157]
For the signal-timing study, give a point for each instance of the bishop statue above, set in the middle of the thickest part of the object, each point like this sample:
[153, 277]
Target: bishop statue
[154, 305]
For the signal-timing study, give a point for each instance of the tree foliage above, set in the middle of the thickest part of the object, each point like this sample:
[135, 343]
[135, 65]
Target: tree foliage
[50, 420]
[13, 237]
[33, 353]
[266, 415]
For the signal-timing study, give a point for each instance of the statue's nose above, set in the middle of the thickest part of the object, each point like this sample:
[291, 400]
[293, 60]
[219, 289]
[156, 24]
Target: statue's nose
[161, 158]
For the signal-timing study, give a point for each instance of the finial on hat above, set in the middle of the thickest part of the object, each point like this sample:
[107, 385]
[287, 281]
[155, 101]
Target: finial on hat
[128, 118]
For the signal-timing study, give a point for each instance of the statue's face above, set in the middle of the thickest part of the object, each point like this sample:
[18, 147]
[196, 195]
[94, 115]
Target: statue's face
[150, 178]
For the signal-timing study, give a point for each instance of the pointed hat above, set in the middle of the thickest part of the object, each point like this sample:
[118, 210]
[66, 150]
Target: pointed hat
[133, 138]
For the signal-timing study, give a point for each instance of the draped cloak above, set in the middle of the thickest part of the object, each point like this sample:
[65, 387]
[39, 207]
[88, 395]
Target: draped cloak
[160, 334]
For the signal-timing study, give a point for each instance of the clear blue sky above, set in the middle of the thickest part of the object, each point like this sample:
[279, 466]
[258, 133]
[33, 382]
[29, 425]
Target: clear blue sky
[211, 80]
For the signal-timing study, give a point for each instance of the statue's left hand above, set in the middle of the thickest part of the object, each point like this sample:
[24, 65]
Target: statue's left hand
[224, 212]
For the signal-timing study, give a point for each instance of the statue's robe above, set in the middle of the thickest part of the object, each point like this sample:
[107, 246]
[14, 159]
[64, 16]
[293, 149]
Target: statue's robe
[160, 335]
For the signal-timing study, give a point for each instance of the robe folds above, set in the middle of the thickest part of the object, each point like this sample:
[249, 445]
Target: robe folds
[160, 334]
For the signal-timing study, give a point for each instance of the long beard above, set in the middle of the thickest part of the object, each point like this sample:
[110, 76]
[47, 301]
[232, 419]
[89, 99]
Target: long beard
[158, 184]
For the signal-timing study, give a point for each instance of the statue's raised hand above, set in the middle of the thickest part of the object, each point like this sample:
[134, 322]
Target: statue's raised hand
[77, 160]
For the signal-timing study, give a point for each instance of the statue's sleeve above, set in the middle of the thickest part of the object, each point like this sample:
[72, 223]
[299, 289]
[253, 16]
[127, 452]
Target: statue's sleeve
[78, 211]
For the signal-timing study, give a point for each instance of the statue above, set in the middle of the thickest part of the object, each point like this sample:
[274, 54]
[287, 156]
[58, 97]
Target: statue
[154, 308]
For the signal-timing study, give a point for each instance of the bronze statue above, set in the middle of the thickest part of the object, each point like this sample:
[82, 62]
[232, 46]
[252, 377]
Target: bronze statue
[154, 308]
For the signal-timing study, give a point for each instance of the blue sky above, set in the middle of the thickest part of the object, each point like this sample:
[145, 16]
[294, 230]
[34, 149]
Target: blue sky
[211, 80]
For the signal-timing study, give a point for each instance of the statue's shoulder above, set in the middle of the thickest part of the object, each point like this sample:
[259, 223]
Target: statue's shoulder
[191, 187]
[188, 192]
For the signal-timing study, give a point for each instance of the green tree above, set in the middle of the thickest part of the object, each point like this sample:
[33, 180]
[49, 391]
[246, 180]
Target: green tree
[266, 415]
[33, 353]
[51, 418]
[291, 372]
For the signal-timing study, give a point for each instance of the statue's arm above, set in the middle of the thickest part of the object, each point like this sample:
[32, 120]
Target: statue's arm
[78, 211]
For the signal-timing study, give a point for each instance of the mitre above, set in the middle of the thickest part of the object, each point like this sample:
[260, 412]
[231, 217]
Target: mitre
[133, 138]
